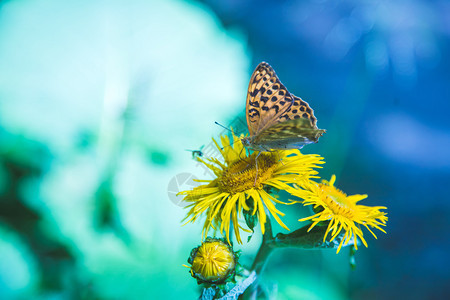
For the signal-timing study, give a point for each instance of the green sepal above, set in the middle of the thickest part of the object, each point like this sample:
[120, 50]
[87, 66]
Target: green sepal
[229, 290]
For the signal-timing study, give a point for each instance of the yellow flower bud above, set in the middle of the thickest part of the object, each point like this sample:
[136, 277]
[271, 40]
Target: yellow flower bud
[213, 261]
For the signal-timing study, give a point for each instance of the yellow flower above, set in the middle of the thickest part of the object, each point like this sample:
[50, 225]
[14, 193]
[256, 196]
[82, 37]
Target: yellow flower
[342, 212]
[241, 185]
[213, 261]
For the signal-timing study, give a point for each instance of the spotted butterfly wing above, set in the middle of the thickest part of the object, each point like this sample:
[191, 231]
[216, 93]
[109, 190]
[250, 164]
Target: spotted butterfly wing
[299, 109]
[277, 119]
[267, 99]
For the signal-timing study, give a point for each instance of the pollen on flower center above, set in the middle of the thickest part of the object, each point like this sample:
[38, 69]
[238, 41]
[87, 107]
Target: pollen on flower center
[337, 201]
[240, 176]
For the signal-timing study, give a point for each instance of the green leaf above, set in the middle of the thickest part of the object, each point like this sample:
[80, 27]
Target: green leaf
[303, 239]
[251, 221]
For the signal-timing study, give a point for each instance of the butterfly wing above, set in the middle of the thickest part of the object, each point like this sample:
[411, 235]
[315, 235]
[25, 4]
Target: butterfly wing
[267, 99]
[299, 109]
[289, 134]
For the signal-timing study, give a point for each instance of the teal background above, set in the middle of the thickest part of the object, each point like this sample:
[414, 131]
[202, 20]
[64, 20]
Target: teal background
[99, 101]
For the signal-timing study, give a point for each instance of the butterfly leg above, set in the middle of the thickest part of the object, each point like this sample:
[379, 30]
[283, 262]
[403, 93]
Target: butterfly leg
[280, 160]
[256, 166]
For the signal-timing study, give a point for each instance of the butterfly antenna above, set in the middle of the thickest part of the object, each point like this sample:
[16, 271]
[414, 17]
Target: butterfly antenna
[217, 123]
[229, 145]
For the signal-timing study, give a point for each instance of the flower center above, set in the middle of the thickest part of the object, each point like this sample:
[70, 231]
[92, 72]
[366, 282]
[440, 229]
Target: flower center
[337, 202]
[248, 173]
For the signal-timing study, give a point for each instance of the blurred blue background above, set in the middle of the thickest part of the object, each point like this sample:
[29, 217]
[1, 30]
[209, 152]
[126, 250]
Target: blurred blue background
[100, 99]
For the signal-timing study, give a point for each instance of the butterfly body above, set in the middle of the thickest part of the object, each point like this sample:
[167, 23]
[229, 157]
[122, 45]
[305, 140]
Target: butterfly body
[277, 119]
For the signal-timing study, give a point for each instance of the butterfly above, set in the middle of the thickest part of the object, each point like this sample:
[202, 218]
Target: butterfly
[277, 119]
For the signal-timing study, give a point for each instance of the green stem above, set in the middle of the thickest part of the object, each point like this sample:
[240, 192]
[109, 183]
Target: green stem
[302, 238]
[261, 258]
[264, 250]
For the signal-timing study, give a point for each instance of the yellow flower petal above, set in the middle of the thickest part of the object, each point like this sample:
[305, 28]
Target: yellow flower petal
[341, 211]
